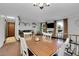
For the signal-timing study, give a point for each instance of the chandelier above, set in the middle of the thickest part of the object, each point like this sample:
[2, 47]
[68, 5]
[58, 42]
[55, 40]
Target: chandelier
[41, 5]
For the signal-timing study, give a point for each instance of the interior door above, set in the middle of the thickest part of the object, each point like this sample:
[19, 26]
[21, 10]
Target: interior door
[11, 29]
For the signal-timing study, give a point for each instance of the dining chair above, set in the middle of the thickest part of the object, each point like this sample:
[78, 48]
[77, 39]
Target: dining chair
[47, 35]
[27, 34]
[61, 50]
[23, 47]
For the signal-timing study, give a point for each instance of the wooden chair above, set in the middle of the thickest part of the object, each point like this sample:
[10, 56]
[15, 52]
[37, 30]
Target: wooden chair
[61, 50]
[47, 35]
[23, 47]
[27, 34]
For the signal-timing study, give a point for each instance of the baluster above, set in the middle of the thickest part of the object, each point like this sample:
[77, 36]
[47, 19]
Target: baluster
[76, 44]
[70, 42]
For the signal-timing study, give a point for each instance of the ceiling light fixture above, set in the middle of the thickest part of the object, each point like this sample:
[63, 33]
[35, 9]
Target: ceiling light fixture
[41, 5]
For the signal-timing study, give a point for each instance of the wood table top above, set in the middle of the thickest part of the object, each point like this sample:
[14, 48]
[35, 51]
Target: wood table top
[43, 47]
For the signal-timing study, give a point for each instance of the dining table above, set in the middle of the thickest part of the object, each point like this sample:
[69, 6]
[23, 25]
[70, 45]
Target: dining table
[42, 46]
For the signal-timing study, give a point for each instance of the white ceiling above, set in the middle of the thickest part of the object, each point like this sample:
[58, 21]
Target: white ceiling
[28, 12]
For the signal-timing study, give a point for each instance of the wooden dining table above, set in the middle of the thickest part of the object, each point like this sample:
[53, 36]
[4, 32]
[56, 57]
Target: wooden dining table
[43, 46]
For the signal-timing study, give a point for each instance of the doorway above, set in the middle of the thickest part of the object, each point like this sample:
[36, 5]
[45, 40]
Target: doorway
[59, 28]
[62, 28]
[10, 29]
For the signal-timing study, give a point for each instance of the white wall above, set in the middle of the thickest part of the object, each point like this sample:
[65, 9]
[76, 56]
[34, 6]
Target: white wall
[2, 31]
[25, 27]
[29, 27]
[17, 28]
[73, 26]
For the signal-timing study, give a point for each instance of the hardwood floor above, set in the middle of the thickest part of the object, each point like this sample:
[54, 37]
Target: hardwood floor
[10, 49]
